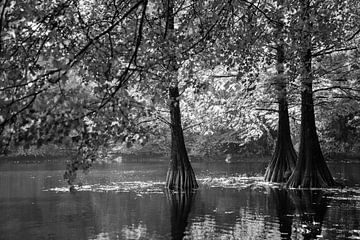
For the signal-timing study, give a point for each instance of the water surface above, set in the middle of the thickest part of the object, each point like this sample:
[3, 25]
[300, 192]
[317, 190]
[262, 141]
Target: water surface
[128, 201]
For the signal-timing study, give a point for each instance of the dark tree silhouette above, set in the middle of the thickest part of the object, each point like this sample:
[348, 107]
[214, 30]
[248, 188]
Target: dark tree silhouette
[311, 170]
[180, 206]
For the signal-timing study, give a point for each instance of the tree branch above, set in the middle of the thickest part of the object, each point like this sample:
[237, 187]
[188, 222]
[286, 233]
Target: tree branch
[261, 11]
[336, 87]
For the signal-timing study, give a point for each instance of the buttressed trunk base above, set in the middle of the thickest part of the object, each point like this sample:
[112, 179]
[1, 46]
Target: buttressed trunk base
[283, 161]
[311, 170]
[180, 175]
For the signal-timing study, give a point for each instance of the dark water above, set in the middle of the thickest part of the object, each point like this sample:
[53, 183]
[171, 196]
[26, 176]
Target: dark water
[127, 201]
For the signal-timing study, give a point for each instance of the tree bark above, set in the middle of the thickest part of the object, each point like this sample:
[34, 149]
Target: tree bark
[311, 170]
[283, 160]
[180, 175]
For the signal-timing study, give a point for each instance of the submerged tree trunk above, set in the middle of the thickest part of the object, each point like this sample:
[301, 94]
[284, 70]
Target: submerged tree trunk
[311, 170]
[283, 160]
[180, 175]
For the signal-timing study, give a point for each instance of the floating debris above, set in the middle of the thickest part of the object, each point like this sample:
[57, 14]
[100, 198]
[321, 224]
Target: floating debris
[136, 186]
[240, 182]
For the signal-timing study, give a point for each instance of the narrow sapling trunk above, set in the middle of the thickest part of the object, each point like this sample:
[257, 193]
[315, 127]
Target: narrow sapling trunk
[283, 160]
[180, 175]
[311, 170]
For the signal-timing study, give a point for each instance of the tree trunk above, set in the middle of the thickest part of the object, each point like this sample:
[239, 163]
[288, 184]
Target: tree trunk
[283, 161]
[180, 175]
[311, 170]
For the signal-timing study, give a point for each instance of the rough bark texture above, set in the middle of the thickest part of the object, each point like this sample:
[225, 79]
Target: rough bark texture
[311, 170]
[180, 207]
[283, 160]
[180, 175]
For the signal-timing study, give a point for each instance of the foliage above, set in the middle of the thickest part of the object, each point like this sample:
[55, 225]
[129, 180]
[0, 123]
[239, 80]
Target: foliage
[93, 75]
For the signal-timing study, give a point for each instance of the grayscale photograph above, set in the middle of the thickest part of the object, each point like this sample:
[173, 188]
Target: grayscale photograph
[179, 119]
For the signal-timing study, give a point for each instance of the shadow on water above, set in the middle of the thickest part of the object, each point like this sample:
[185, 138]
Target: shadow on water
[311, 206]
[180, 206]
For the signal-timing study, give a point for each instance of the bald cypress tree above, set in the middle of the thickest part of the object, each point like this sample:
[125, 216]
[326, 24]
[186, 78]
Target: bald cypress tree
[283, 160]
[180, 175]
[311, 170]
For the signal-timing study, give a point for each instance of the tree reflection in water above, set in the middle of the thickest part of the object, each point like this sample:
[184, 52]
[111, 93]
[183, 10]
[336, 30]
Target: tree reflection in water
[311, 207]
[284, 211]
[180, 206]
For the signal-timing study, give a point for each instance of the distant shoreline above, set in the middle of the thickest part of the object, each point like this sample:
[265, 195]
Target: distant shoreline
[156, 157]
